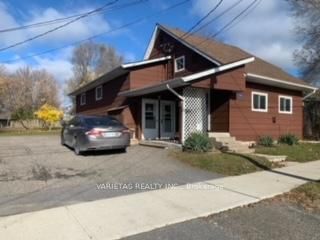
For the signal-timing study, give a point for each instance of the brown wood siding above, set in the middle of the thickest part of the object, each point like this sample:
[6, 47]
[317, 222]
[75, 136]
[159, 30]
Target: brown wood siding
[193, 61]
[110, 98]
[205, 83]
[233, 80]
[246, 124]
[148, 75]
[219, 111]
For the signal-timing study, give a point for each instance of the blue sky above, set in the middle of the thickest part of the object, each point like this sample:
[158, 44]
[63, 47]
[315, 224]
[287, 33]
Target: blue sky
[267, 31]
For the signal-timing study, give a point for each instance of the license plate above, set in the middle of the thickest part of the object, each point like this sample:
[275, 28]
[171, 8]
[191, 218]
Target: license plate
[111, 134]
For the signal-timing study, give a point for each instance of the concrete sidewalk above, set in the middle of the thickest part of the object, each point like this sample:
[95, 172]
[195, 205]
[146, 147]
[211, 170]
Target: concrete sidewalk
[135, 213]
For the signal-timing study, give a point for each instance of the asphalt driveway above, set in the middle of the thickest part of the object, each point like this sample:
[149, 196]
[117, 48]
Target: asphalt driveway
[263, 221]
[36, 172]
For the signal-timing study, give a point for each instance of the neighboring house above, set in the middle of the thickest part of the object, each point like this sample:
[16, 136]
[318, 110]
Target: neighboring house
[5, 118]
[193, 84]
[312, 117]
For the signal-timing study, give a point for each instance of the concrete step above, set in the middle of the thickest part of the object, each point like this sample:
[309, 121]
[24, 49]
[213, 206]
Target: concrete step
[230, 143]
[242, 150]
[218, 134]
[159, 144]
[152, 144]
[272, 158]
[225, 139]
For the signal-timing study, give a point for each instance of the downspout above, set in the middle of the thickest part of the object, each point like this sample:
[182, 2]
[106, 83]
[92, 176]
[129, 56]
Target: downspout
[310, 94]
[182, 99]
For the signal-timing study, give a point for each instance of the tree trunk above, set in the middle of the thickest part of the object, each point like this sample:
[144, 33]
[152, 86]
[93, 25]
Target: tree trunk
[23, 125]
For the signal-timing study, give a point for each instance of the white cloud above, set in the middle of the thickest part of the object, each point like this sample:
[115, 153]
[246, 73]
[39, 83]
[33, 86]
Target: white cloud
[75, 31]
[266, 32]
[58, 65]
[8, 21]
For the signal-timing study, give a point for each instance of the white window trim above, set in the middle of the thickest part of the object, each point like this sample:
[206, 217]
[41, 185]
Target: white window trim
[83, 99]
[252, 101]
[99, 98]
[291, 104]
[175, 64]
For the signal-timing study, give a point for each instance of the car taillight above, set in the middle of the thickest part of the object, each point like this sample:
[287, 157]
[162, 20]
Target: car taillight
[94, 133]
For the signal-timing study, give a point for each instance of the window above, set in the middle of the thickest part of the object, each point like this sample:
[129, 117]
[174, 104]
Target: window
[259, 102]
[179, 64]
[99, 93]
[83, 99]
[285, 104]
[150, 117]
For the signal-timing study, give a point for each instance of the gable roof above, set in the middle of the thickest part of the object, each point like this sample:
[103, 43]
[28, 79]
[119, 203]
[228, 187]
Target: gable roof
[221, 53]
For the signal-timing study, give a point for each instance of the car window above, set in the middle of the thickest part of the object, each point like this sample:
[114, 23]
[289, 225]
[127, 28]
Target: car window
[102, 121]
[77, 122]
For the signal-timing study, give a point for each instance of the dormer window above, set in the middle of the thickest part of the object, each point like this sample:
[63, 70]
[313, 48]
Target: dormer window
[179, 64]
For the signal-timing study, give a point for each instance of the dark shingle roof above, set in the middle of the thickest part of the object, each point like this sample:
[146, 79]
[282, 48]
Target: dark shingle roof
[225, 53]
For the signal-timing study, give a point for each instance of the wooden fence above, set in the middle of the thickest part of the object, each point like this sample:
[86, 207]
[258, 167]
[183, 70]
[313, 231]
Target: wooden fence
[31, 124]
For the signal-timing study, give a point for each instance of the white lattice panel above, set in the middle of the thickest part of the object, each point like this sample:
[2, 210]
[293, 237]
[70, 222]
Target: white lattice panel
[195, 112]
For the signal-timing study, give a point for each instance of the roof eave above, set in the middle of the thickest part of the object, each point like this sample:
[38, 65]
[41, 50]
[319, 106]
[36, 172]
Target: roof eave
[117, 72]
[255, 78]
[145, 62]
[122, 69]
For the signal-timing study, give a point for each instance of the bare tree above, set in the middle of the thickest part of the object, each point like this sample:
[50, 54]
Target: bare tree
[26, 90]
[91, 60]
[307, 13]
[3, 77]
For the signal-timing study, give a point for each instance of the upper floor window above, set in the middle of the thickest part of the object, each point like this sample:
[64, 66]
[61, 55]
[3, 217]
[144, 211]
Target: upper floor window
[179, 64]
[285, 104]
[83, 99]
[99, 93]
[259, 102]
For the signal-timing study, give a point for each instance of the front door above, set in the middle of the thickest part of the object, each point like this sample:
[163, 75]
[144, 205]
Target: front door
[150, 119]
[167, 119]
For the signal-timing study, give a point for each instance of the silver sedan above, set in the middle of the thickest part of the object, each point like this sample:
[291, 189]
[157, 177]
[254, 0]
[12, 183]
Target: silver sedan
[86, 133]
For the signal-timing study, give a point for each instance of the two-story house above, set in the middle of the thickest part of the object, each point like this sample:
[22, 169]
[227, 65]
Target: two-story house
[191, 84]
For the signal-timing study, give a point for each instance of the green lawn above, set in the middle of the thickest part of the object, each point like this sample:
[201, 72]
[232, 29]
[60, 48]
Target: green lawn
[303, 152]
[28, 133]
[225, 163]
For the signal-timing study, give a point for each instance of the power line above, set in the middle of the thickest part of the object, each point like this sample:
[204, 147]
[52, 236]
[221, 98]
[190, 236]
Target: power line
[219, 16]
[244, 16]
[136, 21]
[229, 23]
[202, 19]
[58, 20]
[235, 18]
[59, 27]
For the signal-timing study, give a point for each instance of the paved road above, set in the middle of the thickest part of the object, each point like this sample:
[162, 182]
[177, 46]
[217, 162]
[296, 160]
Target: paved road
[37, 173]
[263, 221]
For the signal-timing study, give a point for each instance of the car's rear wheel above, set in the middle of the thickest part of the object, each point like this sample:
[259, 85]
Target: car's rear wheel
[76, 147]
[62, 141]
